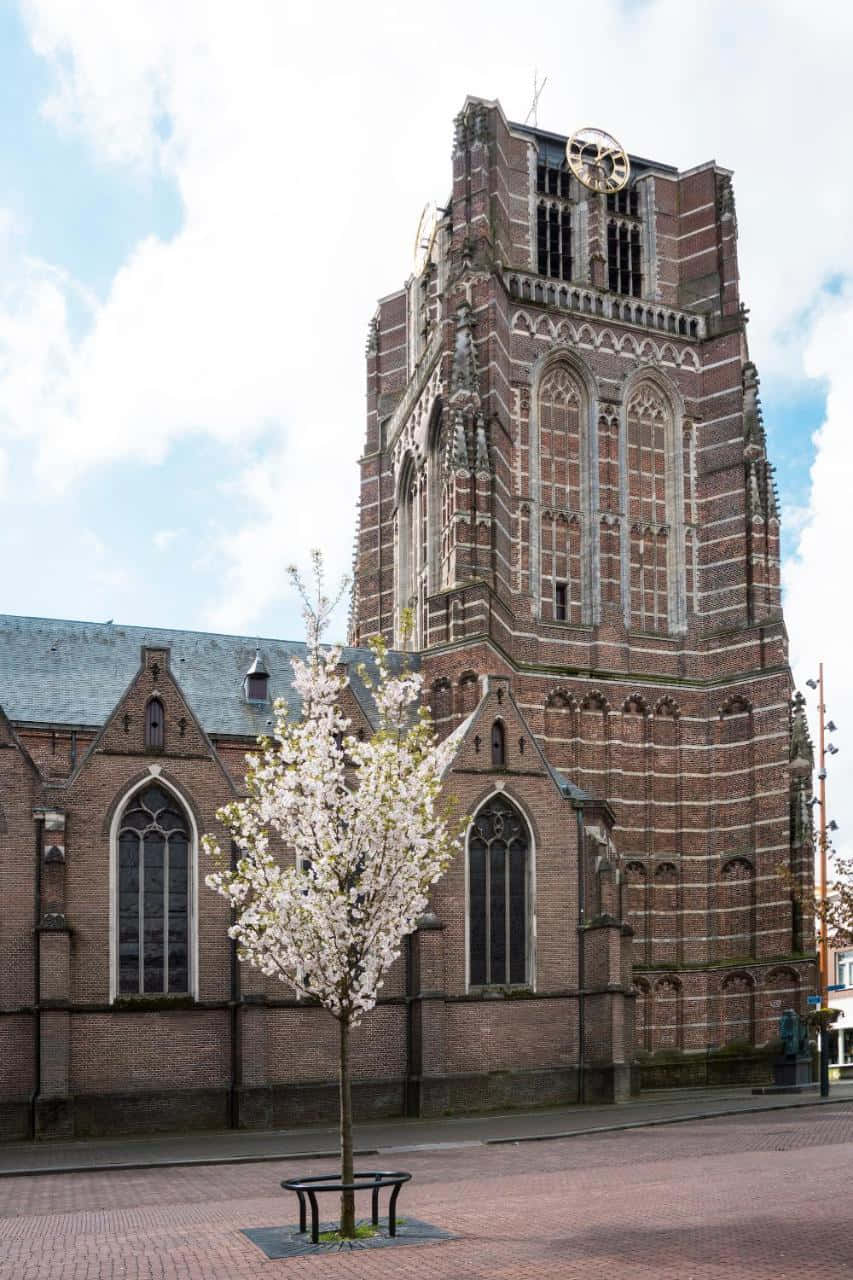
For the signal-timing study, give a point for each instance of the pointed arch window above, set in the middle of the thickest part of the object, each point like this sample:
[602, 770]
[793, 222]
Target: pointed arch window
[498, 873]
[153, 890]
[154, 723]
[498, 746]
[562, 488]
[412, 552]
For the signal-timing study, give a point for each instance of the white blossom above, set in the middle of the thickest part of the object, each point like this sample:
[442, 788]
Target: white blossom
[339, 839]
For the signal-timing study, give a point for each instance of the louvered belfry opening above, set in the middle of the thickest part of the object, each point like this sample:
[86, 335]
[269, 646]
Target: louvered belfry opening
[154, 723]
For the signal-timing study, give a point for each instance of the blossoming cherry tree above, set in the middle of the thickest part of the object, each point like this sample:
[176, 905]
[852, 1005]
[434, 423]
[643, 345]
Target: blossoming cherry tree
[338, 840]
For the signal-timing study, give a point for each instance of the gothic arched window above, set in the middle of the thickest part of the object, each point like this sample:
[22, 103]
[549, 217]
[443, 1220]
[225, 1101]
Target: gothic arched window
[153, 884]
[562, 486]
[154, 720]
[498, 856]
[412, 529]
[655, 557]
[498, 746]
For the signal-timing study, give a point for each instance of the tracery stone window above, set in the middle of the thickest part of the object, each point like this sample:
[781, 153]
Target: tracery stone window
[498, 872]
[561, 495]
[412, 560]
[153, 895]
[652, 510]
[610, 505]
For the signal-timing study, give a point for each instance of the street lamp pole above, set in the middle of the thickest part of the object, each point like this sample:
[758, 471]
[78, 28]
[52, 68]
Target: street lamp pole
[822, 842]
[823, 849]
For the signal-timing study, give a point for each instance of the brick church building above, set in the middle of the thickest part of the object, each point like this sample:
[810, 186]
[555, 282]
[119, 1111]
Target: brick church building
[565, 487]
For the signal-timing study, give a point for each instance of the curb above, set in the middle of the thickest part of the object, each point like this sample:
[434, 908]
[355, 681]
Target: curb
[651, 1124]
[180, 1162]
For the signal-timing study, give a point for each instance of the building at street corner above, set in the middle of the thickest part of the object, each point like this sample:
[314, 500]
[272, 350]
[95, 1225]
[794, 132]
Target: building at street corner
[565, 488]
[841, 998]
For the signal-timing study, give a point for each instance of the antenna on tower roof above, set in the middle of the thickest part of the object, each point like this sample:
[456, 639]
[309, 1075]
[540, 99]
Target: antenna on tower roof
[534, 106]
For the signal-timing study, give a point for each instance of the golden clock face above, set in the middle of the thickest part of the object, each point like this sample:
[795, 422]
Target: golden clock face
[424, 237]
[597, 160]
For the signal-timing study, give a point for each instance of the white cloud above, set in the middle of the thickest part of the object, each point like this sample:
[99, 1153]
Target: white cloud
[163, 538]
[303, 142]
[100, 565]
[819, 602]
[794, 519]
[295, 509]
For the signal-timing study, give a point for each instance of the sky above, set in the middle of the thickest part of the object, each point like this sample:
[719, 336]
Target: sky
[201, 202]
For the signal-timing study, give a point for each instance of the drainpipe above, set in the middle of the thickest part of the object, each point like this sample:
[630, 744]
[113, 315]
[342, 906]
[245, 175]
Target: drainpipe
[581, 957]
[234, 1017]
[36, 978]
[410, 1099]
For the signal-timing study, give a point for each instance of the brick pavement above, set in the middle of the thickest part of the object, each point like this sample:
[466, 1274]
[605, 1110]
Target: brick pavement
[760, 1195]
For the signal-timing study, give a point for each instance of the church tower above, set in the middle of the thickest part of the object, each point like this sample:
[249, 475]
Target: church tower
[565, 484]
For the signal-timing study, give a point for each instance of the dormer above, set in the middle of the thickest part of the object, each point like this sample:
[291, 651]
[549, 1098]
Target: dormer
[256, 681]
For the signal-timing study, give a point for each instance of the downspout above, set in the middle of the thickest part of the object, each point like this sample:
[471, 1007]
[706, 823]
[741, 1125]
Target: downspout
[410, 1099]
[36, 979]
[581, 946]
[234, 1017]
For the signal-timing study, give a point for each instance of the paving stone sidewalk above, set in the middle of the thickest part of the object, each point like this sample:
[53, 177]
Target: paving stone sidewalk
[395, 1137]
[749, 1196]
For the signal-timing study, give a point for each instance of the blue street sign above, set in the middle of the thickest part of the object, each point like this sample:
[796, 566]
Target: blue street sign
[838, 987]
[813, 1000]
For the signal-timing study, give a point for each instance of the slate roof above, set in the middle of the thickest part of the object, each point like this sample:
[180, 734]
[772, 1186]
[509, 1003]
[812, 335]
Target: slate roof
[75, 673]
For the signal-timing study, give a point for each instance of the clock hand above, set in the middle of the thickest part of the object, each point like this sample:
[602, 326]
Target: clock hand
[614, 155]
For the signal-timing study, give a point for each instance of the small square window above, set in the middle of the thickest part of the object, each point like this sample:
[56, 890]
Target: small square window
[560, 601]
[256, 688]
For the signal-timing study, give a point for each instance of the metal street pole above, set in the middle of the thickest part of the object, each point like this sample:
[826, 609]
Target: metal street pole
[824, 931]
[824, 941]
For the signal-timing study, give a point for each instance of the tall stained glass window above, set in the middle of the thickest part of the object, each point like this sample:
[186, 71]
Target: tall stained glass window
[153, 895]
[498, 851]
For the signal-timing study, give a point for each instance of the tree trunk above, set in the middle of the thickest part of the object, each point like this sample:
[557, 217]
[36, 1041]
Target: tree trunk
[347, 1224]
